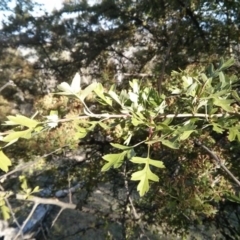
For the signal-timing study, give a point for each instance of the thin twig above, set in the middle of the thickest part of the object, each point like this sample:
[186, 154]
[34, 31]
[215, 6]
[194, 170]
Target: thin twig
[55, 219]
[26, 221]
[218, 161]
[49, 201]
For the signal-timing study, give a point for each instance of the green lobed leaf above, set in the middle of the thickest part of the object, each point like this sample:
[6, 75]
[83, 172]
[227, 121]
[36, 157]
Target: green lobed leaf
[65, 87]
[16, 135]
[144, 176]
[233, 133]
[100, 93]
[119, 146]
[134, 85]
[76, 83]
[133, 97]
[224, 104]
[23, 121]
[86, 91]
[114, 160]
[103, 125]
[186, 134]
[114, 96]
[136, 121]
[170, 144]
[156, 163]
[5, 212]
[217, 128]
[227, 64]
[4, 162]
[222, 79]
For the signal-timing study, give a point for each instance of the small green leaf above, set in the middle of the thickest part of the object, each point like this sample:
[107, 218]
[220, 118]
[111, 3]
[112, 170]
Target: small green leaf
[36, 189]
[227, 64]
[156, 163]
[5, 212]
[134, 85]
[80, 133]
[187, 81]
[119, 146]
[139, 160]
[23, 181]
[144, 176]
[23, 121]
[65, 87]
[224, 104]
[186, 134]
[13, 136]
[114, 96]
[133, 97]
[170, 144]
[4, 162]
[128, 139]
[114, 160]
[103, 125]
[222, 80]
[150, 161]
[236, 96]
[232, 134]
[217, 128]
[136, 121]
[86, 91]
[100, 93]
[76, 83]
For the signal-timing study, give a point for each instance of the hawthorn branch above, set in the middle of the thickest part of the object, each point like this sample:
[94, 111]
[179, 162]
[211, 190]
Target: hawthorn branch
[183, 115]
[218, 161]
[48, 201]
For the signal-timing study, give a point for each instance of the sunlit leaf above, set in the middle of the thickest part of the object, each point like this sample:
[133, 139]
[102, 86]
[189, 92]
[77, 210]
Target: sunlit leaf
[23, 121]
[187, 81]
[128, 139]
[170, 144]
[156, 163]
[227, 64]
[65, 87]
[119, 146]
[16, 135]
[224, 104]
[222, 79]
[233, 133]
[134, 85]
[114, 96]
[103, 125]
[185, 135]
[144, 176]
[133, 97]
[217, 128]
[89, 89]
[23, 181]
[114, 160]
[136, 121]
[100, 93]
[5, 212]
[76, 83]
[4, 162]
